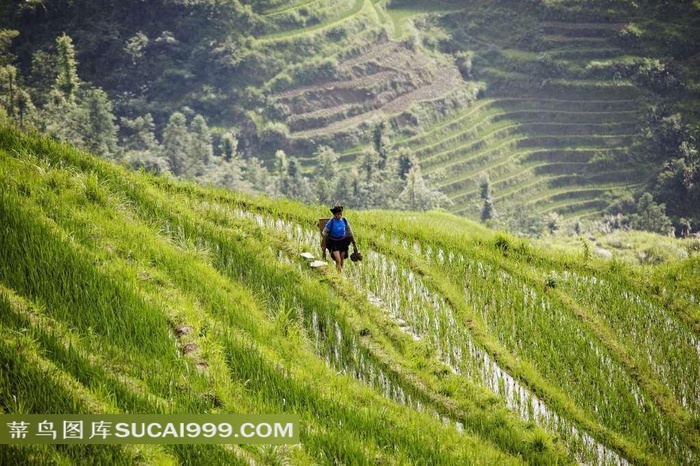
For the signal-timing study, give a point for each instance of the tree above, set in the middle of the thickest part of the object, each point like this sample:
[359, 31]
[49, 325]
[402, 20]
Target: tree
[552, 220]
[136, 46]
[141, 148]
[379, 143]
[258, 177]
[175, 143]
[61, 113]
[325, 174]
[369, 164]
[327, 163]
[280, 173]
[14, 99]
[67, 77]
[8, 73]
[345, 187]
[520, 220]
[280, 163]
[417, 196]
[140, 133]
[368, 191]
[229, 145]
[405, 157]
[297, 187]
[227, 174]
[95, 122]
[678, 184]
[199, 150]
[42, 76]
[487, 211]
[650, 216]
[6, 38]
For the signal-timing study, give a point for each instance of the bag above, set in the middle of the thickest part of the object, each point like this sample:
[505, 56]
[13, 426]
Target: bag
[356, 256]
[345, 221]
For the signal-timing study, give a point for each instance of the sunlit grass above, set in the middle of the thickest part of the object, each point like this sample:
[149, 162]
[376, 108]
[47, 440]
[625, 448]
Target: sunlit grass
[142, 294]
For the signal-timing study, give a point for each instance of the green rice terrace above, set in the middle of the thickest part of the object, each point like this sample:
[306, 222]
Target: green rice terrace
[538, 124]
[125, 292]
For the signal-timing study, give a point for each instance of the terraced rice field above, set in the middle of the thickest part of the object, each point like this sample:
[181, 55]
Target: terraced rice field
[122, 292]
[551, 119]
[531, 102]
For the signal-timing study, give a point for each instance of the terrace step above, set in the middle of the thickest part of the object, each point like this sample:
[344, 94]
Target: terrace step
[575, 39]
[584, 54]
[467, 169]
[486, 107]
[529, 134]
[568, 25]
[284, 24]
[384, 80]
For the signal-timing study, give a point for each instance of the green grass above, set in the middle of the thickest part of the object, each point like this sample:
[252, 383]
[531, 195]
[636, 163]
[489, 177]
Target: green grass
[133, 268]
[504, 352]
[403, 11]
[335, 18]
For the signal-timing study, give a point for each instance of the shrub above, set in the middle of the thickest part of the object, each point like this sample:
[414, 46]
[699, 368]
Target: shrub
[280, 82]
[630, 35]
[658, 254]
[503, 243]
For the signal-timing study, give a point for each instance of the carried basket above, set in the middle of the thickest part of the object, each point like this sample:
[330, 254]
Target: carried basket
[322, 224]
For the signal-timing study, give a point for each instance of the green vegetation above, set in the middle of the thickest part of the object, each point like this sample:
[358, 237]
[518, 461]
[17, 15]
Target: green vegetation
[129, 292]
[214, 91]
[572, 121]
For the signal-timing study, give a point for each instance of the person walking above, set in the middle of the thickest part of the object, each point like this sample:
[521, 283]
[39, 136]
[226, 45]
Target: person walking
[337, 237]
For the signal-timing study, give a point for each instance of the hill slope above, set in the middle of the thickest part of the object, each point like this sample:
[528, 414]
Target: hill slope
[564, 106]
[123, 292]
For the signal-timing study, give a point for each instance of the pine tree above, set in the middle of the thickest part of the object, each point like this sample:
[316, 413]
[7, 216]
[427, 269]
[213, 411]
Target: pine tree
[227, 174]
[380, 145]
[229, 145]
[42, 76]
[199, 151]
[293, 179]
[9, 90]
[175, 144]
[280, 173]
[367, 186]
[258, 176]
[325, 174]
[327, 163]
[6, 38]
[60, 113]
[140, 133]
[280, 163]
[344, 189]
[405, 158]
[15, 101]
[67, 77]
[487, 211]
[95, 122]
[141, 148]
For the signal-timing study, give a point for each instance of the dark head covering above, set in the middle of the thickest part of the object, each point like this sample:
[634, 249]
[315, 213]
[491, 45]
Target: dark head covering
[338, 208]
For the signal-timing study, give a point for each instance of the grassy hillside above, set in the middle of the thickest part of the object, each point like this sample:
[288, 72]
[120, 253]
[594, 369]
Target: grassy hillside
[124, 292]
